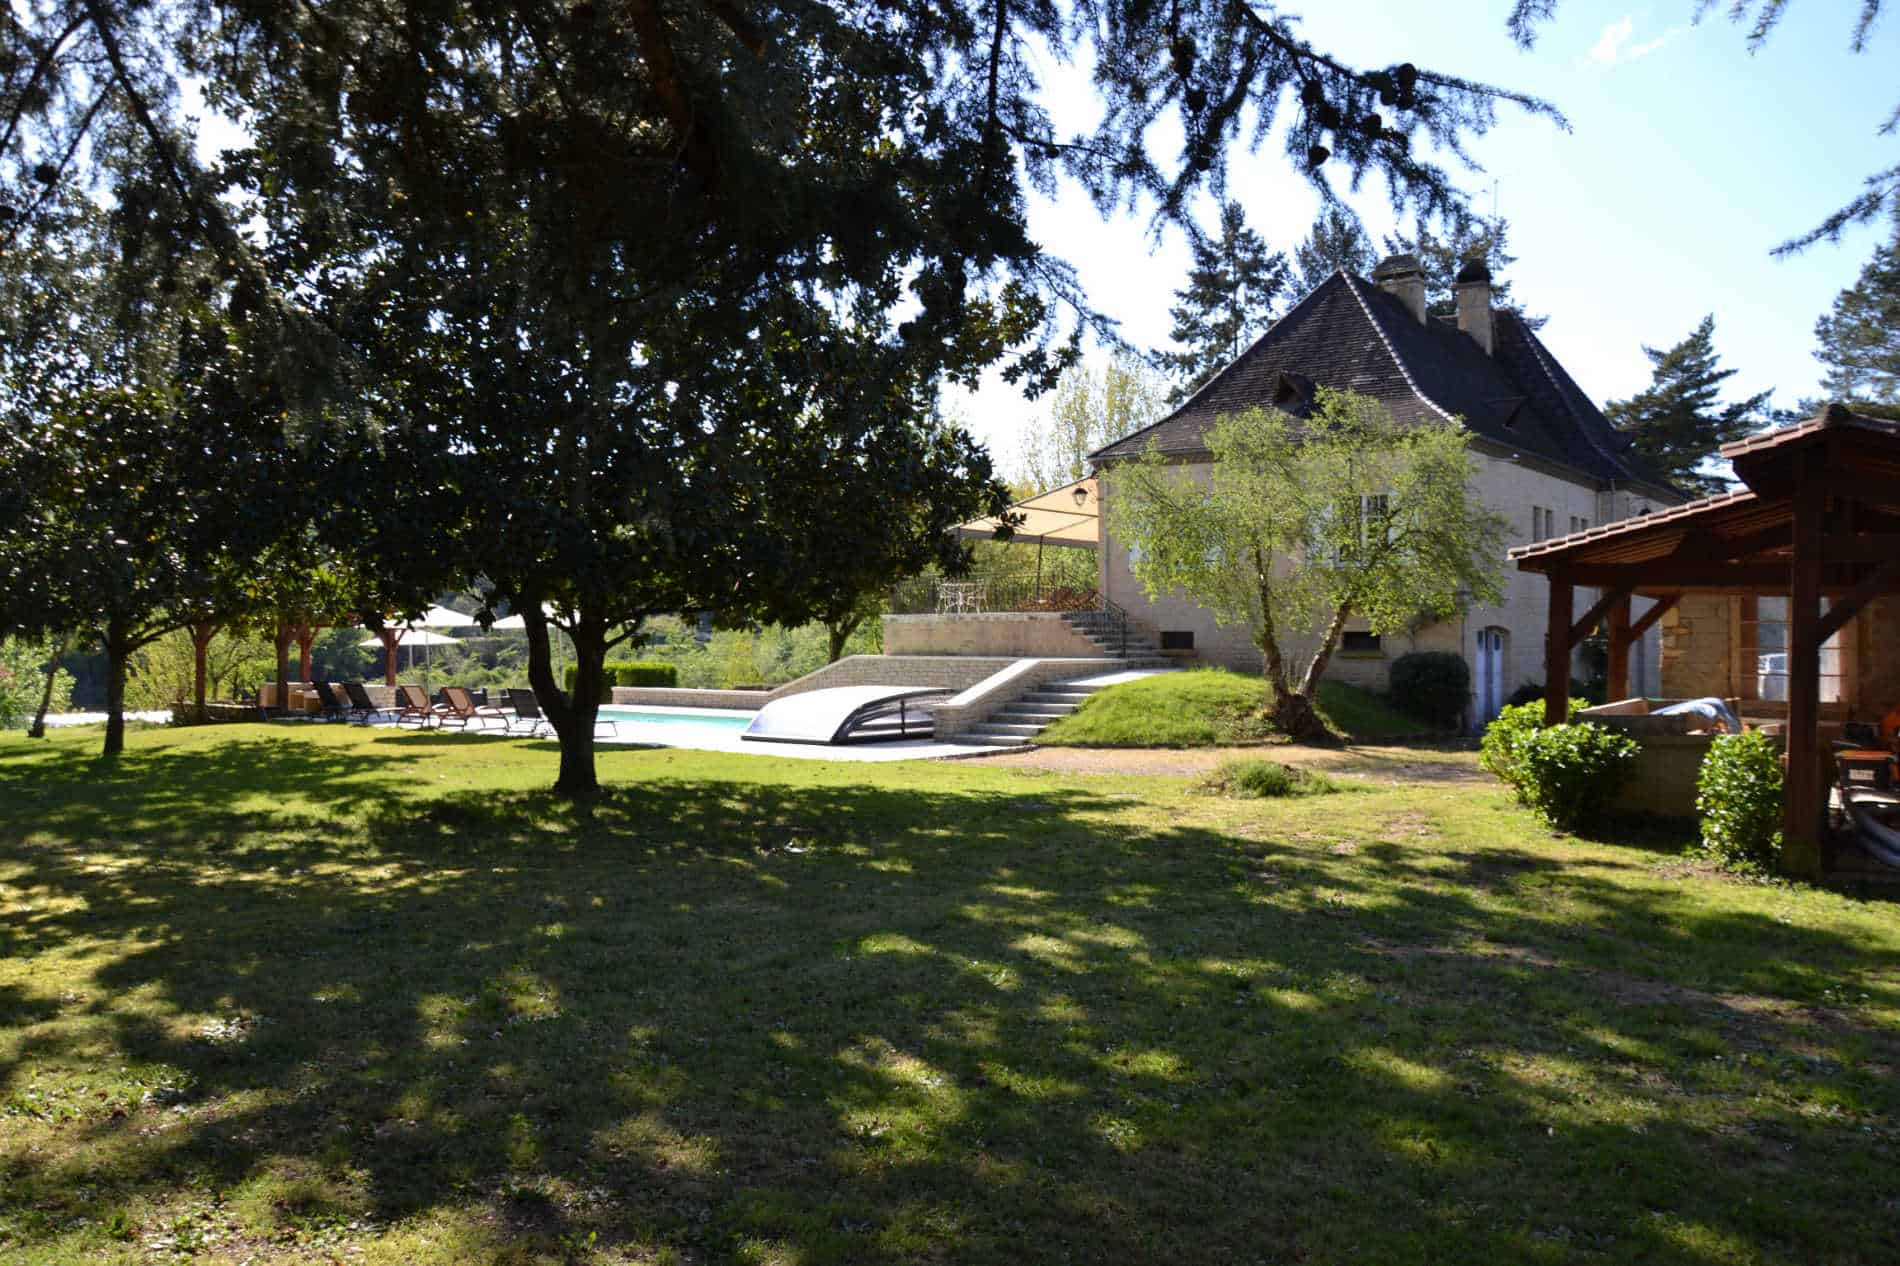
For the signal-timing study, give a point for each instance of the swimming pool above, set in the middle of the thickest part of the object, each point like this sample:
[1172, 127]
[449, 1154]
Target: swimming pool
[706, 718]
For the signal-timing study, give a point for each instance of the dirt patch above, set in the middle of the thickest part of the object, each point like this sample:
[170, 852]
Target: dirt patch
[1378, 764]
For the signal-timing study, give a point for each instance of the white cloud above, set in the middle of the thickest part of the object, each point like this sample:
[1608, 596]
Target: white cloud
[1613, 45]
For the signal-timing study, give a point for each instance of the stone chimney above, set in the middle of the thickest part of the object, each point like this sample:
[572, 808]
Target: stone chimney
[1400, 275]
[1473, 289]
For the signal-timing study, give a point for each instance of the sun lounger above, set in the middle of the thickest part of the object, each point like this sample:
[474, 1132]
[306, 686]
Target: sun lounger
[459, 709]
[329, 702]
[529, 718]
[413, 707]
[362, 707]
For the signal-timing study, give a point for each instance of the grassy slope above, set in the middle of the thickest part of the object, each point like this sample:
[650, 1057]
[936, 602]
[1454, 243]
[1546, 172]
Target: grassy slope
[277, 995]
[1210, 707]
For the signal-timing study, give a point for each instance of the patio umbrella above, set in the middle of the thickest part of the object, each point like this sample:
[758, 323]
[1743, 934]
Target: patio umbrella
[415, 637]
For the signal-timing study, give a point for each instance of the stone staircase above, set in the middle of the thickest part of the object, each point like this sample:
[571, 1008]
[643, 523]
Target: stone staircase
[1102, 629]
[1020, 721]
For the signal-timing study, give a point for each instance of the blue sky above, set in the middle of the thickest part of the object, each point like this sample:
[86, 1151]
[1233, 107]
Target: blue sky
[1689, 160]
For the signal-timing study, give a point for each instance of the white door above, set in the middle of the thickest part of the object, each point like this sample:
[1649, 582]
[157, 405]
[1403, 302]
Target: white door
[1490, 673]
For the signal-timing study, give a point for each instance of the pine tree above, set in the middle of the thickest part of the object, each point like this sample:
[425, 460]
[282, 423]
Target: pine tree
[1860, 337]
[1335, 242]
[1228, 300]
[1678, 422]
[1442, 256]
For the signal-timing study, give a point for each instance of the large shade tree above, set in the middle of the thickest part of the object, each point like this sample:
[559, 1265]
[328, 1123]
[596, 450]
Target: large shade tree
[1679, 422]
[1227, 301]
[557, 264]
[1303, 525]
[1859, 336]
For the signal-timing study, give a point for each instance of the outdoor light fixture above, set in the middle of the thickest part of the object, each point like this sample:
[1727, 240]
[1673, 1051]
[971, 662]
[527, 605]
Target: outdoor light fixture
[1081, 495]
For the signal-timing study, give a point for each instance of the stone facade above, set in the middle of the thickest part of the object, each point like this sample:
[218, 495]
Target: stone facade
[1511, 488]
[1702, 655]
[1014, 634]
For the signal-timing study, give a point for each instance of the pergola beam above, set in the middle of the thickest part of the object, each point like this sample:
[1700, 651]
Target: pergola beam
[1594, 616]
[1664, 605]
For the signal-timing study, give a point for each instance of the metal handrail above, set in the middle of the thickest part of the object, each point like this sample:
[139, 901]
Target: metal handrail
[931, 595]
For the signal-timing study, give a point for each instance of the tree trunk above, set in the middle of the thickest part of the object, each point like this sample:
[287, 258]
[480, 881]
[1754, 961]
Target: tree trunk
[201, 635]
[572, 717]
[283, 667]
[841, 631]
[117, 650]
[38, 728]
[1294, 711]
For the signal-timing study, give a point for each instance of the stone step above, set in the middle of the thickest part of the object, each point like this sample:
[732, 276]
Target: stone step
[976, 738]
[1044, 713]
[1023, 731]
[1072, 698]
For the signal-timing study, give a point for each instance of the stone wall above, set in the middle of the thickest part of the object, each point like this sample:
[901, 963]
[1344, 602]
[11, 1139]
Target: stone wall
[681, 697]
[1696, 641]
[952, 672]
[1015, 634]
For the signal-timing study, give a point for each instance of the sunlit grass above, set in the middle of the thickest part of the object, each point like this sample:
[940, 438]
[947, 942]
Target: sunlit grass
[310, 994]
[1211, 708]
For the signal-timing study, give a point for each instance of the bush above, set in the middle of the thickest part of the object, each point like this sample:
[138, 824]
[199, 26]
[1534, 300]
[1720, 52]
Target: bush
[1590, 692]
[621, 672]
[1501, 749]
[1568, 773]
[1738, 794]
[1433, 686]
[1265, 779]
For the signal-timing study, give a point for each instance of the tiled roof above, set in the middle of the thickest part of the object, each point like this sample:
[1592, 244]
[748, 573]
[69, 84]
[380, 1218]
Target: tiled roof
[1347, 333]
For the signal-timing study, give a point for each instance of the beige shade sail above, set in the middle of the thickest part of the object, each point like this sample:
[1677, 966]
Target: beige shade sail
[1056, 517]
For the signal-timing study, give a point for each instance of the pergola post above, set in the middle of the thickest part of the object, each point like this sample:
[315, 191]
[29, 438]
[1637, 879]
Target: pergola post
[1557, 652]
[1803, 805]
[1620, 639]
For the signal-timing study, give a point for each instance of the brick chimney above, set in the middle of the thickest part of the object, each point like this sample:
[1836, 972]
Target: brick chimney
[1473, 288]
[1400, 275]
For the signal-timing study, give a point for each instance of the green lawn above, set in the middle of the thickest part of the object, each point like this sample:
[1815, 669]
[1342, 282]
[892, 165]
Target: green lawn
[1212, 708]
[320, 994]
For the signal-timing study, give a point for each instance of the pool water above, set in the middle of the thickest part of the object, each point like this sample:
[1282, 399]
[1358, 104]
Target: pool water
[733, 721]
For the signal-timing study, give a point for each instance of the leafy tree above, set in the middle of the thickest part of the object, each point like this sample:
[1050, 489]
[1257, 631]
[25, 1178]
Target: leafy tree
[1860, 335]
[571, 271]
[1678, 422]
[1880, 191]
[1336, 242]
[29, 670]
[1228, 300]
[1442, 254]
[1090, 408]
[1303, 526]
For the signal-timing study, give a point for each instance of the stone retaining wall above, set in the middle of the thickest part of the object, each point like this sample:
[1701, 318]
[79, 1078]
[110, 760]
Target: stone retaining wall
[1015, 634]
[952, 672]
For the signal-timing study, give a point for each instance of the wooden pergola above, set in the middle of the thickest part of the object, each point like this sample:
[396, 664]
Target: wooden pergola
[1818, 517]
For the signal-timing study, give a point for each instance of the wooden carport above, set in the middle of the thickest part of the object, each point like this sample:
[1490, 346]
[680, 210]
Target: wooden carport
[1818, 517]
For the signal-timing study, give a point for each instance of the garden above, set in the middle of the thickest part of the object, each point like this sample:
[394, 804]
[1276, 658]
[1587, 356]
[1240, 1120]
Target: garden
[344, 994]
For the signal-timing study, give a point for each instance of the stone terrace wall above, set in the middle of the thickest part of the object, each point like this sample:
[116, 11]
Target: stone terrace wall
[1016, 634]
[952, 672]
[685, 697]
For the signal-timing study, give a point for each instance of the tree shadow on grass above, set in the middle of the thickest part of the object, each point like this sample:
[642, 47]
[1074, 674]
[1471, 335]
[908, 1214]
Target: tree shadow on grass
[863, 1023]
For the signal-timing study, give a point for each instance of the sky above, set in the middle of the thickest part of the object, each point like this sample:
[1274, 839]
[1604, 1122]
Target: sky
[1690, 158]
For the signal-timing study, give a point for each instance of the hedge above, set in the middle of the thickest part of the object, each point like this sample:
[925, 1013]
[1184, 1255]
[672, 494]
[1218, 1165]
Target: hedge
[627, 673]
[1433, 686]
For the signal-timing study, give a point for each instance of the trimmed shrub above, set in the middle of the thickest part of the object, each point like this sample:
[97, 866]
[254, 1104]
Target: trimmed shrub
[1738, 794]
[1568, 773]
[622, 672]
[1266, 779]
[1499, 750]
[1433, 686]
[644, 673]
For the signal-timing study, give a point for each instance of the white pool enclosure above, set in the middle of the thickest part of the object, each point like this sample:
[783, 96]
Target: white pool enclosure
[849, 714]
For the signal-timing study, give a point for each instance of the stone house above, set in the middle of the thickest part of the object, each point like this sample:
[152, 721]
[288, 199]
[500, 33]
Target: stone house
[1549, 462]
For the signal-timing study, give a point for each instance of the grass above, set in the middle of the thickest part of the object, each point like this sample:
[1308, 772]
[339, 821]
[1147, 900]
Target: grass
[1266, 779]
[309, 994]
[1212, 708]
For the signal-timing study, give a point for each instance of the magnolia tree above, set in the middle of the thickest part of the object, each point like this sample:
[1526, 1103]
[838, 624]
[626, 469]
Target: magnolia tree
[1302, 525]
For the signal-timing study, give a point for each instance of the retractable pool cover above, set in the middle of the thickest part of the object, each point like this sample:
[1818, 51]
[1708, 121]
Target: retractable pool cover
[848, 714]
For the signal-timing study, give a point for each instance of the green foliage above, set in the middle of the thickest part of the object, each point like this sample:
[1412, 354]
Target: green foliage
[1568, 773]
[1090, 408]
[23, 665]
[644, 674]
[1304, 525]
[1502, 748]
[1267, 780]
[1209, 707]
[1860, 335]
[1678, 422]
[1336, 242]
[1434, 686]
[1442, 254]
[1738, 796]
[1229, 299]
